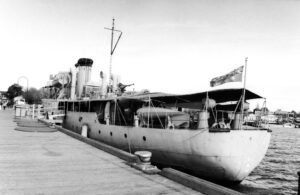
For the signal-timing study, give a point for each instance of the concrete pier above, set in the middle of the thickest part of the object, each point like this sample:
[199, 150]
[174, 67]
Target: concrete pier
[53, 163]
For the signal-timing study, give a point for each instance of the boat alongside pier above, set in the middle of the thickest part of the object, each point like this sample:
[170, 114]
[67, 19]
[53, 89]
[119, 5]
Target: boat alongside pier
[201, 132]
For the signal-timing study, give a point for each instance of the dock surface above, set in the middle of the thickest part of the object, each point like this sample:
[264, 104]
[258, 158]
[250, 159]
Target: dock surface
[54, 163]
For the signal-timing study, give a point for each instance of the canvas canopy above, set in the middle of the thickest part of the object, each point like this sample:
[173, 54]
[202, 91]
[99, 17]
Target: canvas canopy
[220, 96]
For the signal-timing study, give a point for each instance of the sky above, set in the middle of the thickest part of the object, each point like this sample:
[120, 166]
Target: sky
[173, 46]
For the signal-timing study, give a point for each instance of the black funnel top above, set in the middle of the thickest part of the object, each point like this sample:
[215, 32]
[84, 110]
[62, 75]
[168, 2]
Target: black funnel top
[84, 62]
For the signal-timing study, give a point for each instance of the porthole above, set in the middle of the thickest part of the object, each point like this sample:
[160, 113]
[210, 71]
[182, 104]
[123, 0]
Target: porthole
[125, 135]
[110, 133]
[99, 131]
[144, 138]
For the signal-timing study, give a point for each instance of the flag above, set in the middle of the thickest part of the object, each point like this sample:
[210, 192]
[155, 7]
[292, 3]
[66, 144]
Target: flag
[234, 76]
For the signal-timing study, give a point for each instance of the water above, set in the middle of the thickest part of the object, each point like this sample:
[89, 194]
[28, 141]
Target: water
[277, 173]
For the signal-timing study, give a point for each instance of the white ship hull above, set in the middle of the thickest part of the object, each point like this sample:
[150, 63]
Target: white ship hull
[227, 156]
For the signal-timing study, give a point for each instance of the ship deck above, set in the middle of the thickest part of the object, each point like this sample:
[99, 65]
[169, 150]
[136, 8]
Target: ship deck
[54, 163]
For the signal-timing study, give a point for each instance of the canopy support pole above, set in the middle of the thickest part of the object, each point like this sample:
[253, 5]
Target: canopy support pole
[244, 90]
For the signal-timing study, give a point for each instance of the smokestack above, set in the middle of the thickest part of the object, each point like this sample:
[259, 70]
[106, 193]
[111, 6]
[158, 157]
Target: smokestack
[84, 66]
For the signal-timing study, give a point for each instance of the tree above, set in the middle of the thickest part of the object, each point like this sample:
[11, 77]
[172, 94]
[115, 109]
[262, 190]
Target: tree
[33, 96]
[45, 93]
[14, 91]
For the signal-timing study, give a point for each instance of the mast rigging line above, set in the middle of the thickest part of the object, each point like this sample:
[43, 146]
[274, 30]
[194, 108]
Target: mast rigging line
[113, 46]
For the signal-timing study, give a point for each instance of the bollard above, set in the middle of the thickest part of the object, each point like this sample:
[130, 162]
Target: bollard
[145, 162]
[144, 156]
[298, 182]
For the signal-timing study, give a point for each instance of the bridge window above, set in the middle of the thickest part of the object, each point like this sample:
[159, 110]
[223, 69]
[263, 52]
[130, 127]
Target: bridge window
[84, 106]
[76, 106]
[70, 106]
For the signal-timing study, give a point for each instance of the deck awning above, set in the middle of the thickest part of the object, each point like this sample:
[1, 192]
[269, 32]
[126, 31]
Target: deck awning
[220, 96]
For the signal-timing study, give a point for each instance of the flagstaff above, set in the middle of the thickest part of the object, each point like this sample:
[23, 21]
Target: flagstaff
[234, 76]
[244, 90]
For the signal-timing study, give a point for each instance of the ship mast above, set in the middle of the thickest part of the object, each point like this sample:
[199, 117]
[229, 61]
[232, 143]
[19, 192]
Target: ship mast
[112, 49]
